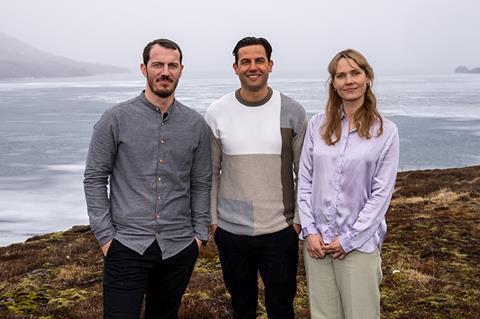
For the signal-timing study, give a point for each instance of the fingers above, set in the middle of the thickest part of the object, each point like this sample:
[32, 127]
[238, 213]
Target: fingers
[315, 246]
[297, 228]
[106, 247]
[199, 243]
[335, 249]
[339, 255]
[316, 253]
[213, 228]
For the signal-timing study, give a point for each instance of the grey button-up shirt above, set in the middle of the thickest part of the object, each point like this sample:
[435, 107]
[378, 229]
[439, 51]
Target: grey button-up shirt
[158, 167]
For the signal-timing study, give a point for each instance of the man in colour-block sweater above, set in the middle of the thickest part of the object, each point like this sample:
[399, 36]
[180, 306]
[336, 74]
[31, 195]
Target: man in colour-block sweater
[257, 136]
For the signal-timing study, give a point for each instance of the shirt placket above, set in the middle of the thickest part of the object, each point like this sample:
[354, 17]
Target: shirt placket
[161, 162]
[338, 179]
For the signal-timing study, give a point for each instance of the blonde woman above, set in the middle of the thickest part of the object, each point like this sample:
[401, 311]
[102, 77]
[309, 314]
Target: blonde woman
[347, 173]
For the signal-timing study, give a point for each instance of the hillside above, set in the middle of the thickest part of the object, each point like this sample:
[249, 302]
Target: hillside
[20, 60]
[464, 69]
[430, 261]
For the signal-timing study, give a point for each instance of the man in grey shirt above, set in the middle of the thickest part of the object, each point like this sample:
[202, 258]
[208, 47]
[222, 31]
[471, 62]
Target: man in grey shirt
[154, 153]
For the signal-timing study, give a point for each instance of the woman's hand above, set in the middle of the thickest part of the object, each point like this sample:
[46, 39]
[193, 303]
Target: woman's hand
[315, 246]
[335, 249]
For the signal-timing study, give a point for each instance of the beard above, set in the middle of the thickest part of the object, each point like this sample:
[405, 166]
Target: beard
[161, 91]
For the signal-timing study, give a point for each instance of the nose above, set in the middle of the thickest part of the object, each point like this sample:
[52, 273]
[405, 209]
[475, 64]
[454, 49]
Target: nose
[349, 78]
[164, 70]
[252, 66]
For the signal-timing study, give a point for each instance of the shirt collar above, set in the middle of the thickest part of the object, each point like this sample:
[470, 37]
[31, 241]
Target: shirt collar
[147, 103]
[342, 113]
[258, 103]
[343, 117]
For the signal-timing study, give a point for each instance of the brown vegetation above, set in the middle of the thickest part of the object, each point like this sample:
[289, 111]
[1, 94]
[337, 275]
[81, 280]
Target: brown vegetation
[430, 261]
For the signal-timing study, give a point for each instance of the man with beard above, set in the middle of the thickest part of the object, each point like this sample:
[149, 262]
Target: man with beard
[257, 136]
[154, 154]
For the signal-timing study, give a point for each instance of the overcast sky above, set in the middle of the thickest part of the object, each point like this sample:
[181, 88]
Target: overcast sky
[397, 37]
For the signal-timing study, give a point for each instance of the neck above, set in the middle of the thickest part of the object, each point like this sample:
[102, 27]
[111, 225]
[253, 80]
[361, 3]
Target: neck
[254, 96]
[162, 103]
[350, 107]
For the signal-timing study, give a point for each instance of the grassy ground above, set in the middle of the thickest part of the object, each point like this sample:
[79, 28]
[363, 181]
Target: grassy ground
[431, 261]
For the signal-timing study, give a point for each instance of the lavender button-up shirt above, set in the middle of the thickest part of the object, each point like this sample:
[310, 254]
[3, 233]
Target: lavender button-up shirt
[344, 190]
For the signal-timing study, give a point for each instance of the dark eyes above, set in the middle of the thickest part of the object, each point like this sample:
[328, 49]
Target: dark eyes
[257, 61]
[161, 65]
[353, 73]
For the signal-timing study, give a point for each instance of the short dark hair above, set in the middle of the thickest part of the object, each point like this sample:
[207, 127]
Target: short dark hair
[252, 41]
[165, 43]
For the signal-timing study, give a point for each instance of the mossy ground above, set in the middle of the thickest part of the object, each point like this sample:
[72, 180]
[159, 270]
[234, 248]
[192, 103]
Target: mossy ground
[431, 262]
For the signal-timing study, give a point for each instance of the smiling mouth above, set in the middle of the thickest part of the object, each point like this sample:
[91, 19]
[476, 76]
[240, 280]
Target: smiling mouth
[253, 76]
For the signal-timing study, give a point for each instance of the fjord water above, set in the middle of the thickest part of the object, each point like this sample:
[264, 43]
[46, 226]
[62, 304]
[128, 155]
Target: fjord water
[45, 127]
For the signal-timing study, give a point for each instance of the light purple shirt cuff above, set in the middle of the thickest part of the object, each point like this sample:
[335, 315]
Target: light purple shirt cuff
[346, 243]
[309, 230]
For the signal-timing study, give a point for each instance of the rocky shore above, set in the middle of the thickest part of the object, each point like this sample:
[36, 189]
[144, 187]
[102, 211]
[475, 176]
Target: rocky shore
[431, 261]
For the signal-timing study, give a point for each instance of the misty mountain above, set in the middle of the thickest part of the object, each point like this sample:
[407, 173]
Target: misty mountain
[21, 60]
[464, 69]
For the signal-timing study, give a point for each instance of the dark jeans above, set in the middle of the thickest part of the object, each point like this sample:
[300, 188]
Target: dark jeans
[129, 276]
[275, 256]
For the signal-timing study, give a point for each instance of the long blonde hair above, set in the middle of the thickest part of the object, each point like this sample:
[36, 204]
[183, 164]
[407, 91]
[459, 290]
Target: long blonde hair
[364, 117]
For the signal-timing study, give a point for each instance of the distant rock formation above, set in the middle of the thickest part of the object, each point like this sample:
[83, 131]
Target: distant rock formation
[21, 60]
[464, 69]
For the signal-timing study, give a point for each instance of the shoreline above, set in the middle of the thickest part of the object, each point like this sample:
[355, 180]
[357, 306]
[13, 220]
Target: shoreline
[26, 237]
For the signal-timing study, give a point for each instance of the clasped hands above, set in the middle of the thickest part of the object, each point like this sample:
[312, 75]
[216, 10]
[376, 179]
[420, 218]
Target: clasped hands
[316, 248]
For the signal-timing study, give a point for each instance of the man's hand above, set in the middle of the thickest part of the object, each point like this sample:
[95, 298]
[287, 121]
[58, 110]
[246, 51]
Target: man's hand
[199, 243]
[315, 246]
[336, 249]
[297, 228]
[213, 229]
[105, 247]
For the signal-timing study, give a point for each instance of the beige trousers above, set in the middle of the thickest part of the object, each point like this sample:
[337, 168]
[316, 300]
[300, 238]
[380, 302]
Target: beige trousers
[344, 289]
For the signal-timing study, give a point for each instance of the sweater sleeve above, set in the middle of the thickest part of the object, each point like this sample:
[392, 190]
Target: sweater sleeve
[297, 144]
[216, 152]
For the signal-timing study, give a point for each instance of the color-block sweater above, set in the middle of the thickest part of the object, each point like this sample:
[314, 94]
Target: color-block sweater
[255, 156]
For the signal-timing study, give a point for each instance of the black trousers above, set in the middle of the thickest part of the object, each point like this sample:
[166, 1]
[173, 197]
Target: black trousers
[129, 277]
[275, 256]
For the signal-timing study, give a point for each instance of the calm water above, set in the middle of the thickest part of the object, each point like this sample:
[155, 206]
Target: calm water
[45, 127]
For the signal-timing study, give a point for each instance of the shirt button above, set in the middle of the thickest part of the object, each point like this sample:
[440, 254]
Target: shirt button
[162, 161]
[159, 179]
[158, 216]
[158, 110]
[158, 197]
[162, 141]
